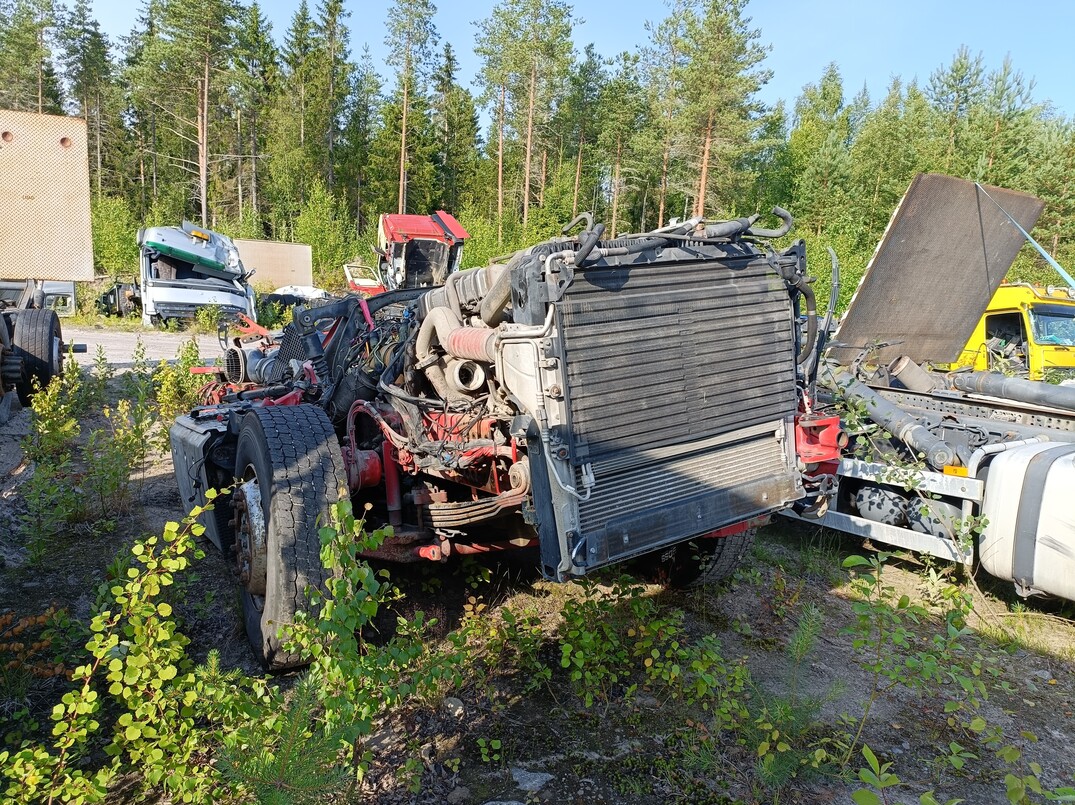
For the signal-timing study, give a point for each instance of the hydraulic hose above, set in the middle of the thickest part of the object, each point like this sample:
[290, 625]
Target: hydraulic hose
[587, 242]
[729, 229]
[811, 320]
[1014, 388]
[826, 323]
[498, 295]
[784, 216]
[437, 324]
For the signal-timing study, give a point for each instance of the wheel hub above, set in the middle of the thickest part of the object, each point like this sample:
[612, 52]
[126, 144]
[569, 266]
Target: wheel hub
[250, 542]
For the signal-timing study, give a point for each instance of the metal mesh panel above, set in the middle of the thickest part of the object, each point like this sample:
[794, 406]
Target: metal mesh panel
[680, 391]
[44, 198]
[679, 353]
[945, 252]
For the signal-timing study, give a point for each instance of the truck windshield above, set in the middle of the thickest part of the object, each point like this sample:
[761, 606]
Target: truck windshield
[1053, 324]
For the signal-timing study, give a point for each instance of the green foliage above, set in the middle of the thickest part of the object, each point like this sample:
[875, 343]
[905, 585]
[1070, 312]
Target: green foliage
[321, 224]
[96, 386]
[273, 316]
[357, 681]
[175, 385]
[290, 758]
[138, 697]
[207, 318]
[115, 249]
[784, 726]
[54, 418]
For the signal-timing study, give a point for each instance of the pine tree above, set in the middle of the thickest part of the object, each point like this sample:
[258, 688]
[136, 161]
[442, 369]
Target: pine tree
[455, 121]
[578, 124]
[364, 104]
[623, 104]
[89, 73]
[293, 152]
[256, 79]
[954, 91]
[411, 37]
[666, 62]
[184, 64]
[28, 80]
[720, 110]
[332, 81]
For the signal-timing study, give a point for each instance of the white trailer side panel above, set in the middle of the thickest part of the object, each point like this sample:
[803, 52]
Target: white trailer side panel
[44, 198]
[277, 263]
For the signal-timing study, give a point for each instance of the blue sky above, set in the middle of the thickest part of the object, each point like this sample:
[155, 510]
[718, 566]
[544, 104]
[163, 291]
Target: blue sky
[870, 41]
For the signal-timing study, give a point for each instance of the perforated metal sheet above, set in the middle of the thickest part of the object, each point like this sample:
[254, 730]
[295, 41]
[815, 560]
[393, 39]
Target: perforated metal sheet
[44, 198]
[277, 264]
[945, 252]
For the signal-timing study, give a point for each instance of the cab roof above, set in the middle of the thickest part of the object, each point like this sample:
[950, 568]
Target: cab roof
[440, 226]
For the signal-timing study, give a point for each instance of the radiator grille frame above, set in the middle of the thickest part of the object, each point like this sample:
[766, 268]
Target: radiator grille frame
[678, 396]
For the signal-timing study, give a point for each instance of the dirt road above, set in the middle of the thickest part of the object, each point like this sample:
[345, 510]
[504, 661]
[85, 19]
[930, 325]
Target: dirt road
[119, 346]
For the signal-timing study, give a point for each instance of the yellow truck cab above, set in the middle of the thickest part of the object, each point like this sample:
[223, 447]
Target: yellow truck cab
[1028, 330]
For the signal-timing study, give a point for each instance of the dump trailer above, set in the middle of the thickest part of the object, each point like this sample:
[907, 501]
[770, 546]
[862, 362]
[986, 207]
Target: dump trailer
[970, 466]
[593, 400]
[46, 244]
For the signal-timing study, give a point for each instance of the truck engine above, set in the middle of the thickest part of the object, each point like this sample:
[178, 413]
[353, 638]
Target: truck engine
[599, 400]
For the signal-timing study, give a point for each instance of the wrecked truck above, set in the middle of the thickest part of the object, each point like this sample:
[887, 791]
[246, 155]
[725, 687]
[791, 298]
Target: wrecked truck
[593, 400]
[182, 269]
[969, 466]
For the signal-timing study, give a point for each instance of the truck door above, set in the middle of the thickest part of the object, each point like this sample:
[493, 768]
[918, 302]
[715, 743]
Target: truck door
[1006, 342]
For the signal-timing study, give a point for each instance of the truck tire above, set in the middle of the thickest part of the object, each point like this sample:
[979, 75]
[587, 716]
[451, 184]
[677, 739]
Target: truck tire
[37, 341]
[289, 467]
[694, 564]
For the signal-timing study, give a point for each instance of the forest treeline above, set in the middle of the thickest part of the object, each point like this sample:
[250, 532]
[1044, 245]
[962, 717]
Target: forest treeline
[204, 112]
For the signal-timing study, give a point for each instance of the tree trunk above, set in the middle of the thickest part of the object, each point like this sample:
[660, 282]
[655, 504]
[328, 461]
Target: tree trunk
[203, 144]
[578, 174]
[616, 185]
[40, 70]
[541, 189]
[529, 142]
[239, 159]
[330, 134]
[153, 153]
[142, 169]
[703, 177]
[97, 138]
[402, 206]
[254, 164]
[500, 168]
[662, 190]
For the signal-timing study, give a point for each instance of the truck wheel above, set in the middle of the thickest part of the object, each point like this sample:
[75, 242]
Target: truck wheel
[694, 564]
[290, 472]
[37, 341]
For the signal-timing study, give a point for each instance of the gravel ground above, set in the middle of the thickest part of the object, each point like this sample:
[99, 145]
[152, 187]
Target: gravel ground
[119, 346]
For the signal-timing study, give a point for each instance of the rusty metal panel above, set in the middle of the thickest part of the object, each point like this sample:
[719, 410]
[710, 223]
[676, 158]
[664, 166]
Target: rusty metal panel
[941, 259]
[278, 263]
[44, 198]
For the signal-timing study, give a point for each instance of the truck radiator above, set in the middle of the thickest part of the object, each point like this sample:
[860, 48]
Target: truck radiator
[680, 396]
